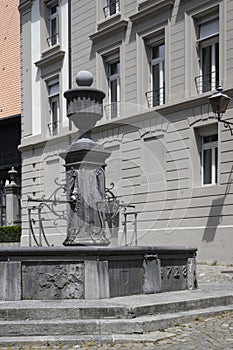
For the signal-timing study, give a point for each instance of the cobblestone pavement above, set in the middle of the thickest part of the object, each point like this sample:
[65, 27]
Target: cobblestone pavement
[214, 333]
[215, 274]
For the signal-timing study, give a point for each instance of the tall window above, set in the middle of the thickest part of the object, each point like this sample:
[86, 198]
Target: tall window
[209, 159]
[112, 7]
[113, 76]
[53, 25]
[208, 40]
[53, 95]
[156, 52]
[2, 203]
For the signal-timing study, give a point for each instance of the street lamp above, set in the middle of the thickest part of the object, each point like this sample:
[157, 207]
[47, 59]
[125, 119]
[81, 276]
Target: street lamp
[219, 103]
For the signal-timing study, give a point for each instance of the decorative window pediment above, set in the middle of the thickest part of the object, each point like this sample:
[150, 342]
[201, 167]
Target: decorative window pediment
[109, 30]
[148, 8]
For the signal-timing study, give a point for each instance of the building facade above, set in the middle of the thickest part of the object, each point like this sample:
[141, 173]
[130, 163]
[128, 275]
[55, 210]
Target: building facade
[157, 61]
[10, 97]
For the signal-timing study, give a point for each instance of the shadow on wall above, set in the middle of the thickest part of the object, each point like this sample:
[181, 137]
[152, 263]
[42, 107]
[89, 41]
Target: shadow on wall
[215, 215]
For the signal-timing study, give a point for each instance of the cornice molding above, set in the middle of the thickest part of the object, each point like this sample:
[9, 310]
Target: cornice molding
[148, 8]
[25, 5]
[50, 59]
[109, 30]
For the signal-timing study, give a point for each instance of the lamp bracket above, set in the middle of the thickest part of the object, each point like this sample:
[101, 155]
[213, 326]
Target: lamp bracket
[226, 123]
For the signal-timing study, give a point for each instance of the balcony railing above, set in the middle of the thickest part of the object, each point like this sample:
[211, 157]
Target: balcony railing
[155, 97]
[10, 159]
[53, 128]
[207, 82]
[112, 8]
[53, 40]
[112, 110]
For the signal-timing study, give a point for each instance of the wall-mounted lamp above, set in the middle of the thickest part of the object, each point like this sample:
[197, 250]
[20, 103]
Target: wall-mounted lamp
[219, 103]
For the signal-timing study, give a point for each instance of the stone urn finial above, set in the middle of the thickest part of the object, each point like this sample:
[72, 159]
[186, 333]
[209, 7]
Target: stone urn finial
[84, 103]
[13, 175]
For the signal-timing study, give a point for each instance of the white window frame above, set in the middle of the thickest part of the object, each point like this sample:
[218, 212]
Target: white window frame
[113, 106]
[54, 98]
[160, 61]
[211, 39]
[53, 37]
[107, 8]
[213, 146]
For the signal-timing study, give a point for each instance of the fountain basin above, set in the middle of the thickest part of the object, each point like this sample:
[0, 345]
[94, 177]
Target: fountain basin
[50, 273]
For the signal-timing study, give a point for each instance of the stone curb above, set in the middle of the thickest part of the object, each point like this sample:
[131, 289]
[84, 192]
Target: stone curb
[76, 340]
[140, 325]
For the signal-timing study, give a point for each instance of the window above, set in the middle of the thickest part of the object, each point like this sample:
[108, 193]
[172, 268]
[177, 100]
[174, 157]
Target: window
[156, 55]
[113, 6]
[113, 77]
[2, 203]
[209, 159]
[53, 95]
[53, 25]
[208, 42]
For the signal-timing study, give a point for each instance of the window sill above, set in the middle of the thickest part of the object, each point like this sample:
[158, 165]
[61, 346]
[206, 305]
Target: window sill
[53, 54]
[50, 50]
[148, 8]
[109, 27]
[108, 21]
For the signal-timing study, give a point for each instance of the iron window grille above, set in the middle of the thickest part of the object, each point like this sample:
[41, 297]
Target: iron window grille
[208, 44]
[112, 110]
[156, 52]
[54, 106]
[113, 7]
[53, 128]
[53, 38]
[156, 97]
[207, 82]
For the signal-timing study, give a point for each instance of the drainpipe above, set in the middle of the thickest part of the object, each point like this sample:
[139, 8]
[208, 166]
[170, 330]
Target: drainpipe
[69, 45]
[69, 52]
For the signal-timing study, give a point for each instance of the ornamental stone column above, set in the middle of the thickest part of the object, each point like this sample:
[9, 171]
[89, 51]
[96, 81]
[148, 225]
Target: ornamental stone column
[85, 166]
[13, 208]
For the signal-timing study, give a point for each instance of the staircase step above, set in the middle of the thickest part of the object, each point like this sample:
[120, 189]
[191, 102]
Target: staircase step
[121, 319]
[116, 308]
[84, 339]
[138, 325]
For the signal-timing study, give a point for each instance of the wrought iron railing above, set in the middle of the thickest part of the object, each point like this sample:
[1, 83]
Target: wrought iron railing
[155, 97]
[53, 40]
[112, 8]
[133, 240]
[207, 82]
[113, 110]
[53, 128]
[36, 216]
[109, 209]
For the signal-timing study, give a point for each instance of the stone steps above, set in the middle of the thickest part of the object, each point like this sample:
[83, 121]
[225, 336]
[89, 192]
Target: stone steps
[72, 322]
[145, 328]
[116, 308]
[136, 325]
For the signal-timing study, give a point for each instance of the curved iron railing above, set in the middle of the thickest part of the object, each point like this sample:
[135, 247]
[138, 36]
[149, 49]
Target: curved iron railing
[108, 210]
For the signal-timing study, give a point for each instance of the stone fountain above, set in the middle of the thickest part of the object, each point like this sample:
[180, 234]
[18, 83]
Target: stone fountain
[86, 267]
[85, 163]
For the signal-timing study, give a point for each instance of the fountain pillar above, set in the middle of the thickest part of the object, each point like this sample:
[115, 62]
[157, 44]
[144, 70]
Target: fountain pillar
[85, 166]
